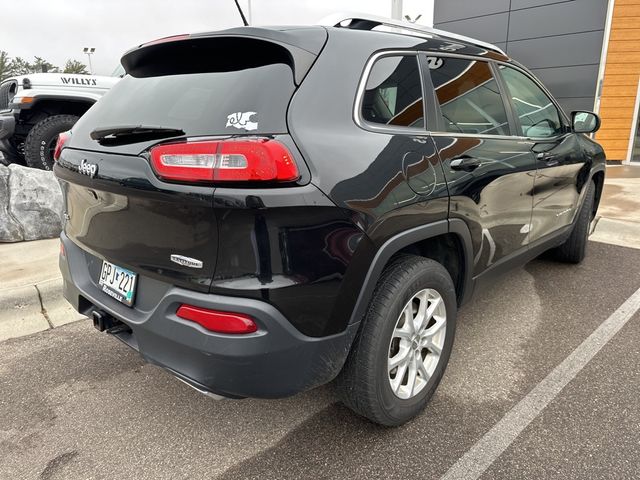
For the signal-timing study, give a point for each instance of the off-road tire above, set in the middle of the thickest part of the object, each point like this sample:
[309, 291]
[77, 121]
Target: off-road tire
[574, 249]
[37, 145]
[363, 384]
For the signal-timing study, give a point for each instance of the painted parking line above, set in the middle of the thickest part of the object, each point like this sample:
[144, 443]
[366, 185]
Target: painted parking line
[486, 450]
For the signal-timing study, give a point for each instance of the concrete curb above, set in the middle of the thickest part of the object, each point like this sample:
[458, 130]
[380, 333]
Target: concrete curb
[34, 308]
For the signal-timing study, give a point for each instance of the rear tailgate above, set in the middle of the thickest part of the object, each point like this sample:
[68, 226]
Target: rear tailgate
[126, 216]
[206, 86]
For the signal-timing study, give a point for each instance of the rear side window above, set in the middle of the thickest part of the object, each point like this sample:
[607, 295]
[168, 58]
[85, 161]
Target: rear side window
[538, 115]
[469, 97]
[393, 93]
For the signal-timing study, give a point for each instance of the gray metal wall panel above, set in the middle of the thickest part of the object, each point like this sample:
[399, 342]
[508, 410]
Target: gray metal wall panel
[566, 62]
[582, 80]
[577, 49]
[519, 4]
[558, 19]
[449, 10]
[571, 104]
[492, 28]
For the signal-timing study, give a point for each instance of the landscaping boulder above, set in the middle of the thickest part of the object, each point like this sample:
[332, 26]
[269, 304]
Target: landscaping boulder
[30, 204]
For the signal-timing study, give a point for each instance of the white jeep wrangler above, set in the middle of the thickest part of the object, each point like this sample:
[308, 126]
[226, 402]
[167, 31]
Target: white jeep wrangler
[35, 108]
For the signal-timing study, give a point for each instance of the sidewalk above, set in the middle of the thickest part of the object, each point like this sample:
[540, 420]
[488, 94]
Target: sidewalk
[618, 220]
[31, 286]
[31, 289]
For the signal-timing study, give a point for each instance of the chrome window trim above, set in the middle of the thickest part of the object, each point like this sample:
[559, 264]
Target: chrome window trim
[357, 107]
[378, 128]
[480, 135]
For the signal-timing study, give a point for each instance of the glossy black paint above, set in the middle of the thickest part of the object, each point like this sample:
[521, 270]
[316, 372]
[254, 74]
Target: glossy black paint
[314, 249]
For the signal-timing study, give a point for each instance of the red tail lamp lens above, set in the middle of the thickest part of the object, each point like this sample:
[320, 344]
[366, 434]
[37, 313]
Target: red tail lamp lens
[237, 160]
[172, 38]
[215, 321]
[63, 138]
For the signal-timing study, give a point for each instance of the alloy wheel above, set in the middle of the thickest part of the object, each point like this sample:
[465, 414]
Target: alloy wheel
[416, 343]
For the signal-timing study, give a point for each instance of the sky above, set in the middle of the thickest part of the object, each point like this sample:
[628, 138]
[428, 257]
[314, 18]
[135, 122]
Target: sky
[57, 30]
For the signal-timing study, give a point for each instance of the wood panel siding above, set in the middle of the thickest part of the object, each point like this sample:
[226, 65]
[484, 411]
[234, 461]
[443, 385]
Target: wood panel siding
[621, 76]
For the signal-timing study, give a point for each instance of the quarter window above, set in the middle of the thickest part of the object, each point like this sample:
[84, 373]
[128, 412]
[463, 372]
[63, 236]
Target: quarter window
[538, 115]
[469, 96]
[393, 94]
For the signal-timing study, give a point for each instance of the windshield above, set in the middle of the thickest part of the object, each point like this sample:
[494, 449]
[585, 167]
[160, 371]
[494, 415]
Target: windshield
[119, 71]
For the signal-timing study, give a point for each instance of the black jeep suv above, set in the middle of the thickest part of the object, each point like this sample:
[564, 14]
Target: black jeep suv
[263, 210]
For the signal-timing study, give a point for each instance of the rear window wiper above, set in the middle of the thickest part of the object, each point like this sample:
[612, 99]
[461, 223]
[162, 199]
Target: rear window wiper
[120, 134]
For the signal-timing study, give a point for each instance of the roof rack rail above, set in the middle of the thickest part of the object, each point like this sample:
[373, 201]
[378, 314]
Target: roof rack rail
[360, 21]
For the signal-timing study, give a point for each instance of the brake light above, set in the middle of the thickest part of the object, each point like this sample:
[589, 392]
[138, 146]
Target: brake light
[221, 322]
[172, 38]
[233, 160]
[63, 138]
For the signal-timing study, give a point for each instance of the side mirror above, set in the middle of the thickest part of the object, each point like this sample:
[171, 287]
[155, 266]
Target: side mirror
[585, 122]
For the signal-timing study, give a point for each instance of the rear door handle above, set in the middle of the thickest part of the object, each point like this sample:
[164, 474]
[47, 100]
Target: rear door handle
[466, 164]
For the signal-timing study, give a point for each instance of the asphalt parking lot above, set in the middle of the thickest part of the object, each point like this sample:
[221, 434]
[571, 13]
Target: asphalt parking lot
[77, 404]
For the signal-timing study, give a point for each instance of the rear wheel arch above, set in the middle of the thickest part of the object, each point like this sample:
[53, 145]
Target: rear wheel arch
[46, 107]
[447, 241]
[598, 180]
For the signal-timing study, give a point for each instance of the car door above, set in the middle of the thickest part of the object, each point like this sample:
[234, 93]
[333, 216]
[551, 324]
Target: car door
[557, 152]
[489, 170]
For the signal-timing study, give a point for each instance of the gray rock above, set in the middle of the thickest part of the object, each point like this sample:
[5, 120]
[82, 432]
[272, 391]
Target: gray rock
[35, 203]
[10, 230]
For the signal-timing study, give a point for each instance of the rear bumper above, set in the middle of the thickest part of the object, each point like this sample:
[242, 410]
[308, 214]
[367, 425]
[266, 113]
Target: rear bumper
[276, 361]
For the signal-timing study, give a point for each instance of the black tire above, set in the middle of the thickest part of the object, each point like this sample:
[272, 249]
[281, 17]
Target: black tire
[574, 249]
[38, 147]
[363, 385]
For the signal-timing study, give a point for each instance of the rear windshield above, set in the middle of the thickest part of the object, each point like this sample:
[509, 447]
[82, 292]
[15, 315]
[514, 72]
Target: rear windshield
[249, 100]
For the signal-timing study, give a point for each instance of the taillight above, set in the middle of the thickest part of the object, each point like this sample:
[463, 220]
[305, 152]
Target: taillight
[172, 38]
[215, 321]
[234, 160]
[63, 138]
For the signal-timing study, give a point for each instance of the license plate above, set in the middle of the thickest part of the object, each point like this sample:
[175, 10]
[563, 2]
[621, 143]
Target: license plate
[118, 282]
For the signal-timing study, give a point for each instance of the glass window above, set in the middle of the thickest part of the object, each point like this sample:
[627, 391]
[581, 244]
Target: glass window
[538, 115]
[469, 97]
[393, 94]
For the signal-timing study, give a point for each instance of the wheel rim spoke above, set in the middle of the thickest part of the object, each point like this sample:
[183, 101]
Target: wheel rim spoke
[432, 347]
[412, 377]
[422, 370]
[396, 382]
[400, 358]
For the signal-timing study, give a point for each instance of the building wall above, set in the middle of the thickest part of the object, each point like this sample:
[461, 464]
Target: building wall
[560, 41]
[621, 75]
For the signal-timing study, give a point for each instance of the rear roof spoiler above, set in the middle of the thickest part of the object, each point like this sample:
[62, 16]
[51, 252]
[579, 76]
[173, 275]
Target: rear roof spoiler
[359, 21]
[297, 47]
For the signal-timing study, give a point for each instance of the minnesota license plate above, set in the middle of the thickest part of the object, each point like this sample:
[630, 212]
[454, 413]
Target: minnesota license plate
[118, 282]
